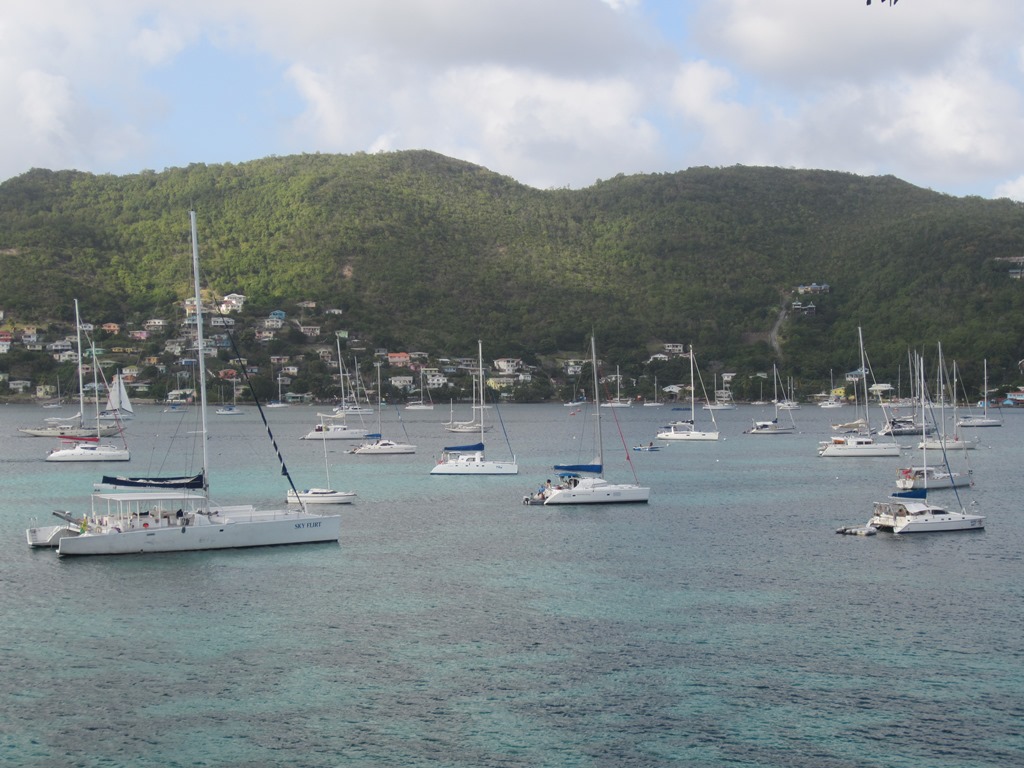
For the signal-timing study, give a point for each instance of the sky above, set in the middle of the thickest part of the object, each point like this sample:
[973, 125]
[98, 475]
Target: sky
[553, 93]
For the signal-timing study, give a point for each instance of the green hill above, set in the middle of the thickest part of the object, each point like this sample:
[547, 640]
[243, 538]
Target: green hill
[421, 251]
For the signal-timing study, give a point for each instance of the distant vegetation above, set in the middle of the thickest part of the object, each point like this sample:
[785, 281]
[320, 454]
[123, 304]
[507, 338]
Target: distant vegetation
[424, 252]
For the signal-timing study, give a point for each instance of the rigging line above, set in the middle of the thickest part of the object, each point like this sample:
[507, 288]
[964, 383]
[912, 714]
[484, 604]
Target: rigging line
[622, 438]
[501, 421]
[400, 421]
[263, 416]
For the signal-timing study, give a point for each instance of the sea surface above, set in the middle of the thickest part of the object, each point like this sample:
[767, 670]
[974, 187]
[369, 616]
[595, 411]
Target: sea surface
[723, 624]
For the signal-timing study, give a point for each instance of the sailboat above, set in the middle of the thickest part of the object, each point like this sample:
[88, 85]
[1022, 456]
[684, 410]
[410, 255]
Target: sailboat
[859, 443]
[421, 404]
[656, 402]
[119, 407]
[687, 429]
[232, 409]
[984, 420]
[89, 448]
[326, 495]
[279, 403]
[910, 511]
[942, 441]
[476, 423]
[585, 483]
[723, 398]
[618, 401]
[176, 514]
[773, 427]
[74, 426]
[469, 459]
[350, 404]
[834, 400]
[332, 426]
[376, 444]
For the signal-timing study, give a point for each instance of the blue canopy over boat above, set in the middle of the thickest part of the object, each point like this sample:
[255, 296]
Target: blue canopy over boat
[595, 468]
[913, 493]
[464, 448]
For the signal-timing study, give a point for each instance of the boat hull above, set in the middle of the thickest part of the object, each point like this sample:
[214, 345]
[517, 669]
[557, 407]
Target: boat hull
[49, 536]
[594, 490]
[337, 433]
[695, 435]
[475, 467]
[921, 517]
[321, 496]
[90, 453]
[383, 448]
[235, 530]
[103, 431]
[858, 447]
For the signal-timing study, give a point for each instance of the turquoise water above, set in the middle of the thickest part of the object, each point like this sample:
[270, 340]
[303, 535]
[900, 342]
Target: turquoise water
[725, 623]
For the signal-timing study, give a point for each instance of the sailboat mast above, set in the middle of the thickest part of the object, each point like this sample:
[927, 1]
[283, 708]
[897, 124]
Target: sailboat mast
[597, 401]
[480, 364]
[200, 348]
[693, 393]
[81, 382]
[380, 400]
[864, 377]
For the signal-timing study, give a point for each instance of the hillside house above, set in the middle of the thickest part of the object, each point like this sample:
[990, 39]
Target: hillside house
[155, 325]
[501, 382]
[310, 331]
[506, 365]
[112, 328]
[572, 367]
[433, 378]
[399, 359]
[813, 288]
[233, 302]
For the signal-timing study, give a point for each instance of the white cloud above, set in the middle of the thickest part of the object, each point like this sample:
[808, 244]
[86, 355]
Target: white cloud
[1013, 189]
[552, 94]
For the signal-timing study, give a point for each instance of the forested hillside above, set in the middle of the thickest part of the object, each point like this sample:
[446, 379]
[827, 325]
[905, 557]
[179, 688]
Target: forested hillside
[426, 252]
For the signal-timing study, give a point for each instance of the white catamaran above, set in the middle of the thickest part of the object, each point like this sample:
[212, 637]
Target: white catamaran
[176, 514]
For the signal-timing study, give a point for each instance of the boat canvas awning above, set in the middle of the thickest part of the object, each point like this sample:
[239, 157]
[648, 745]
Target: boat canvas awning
[464, 448]
[192, 481]
[594, 468]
